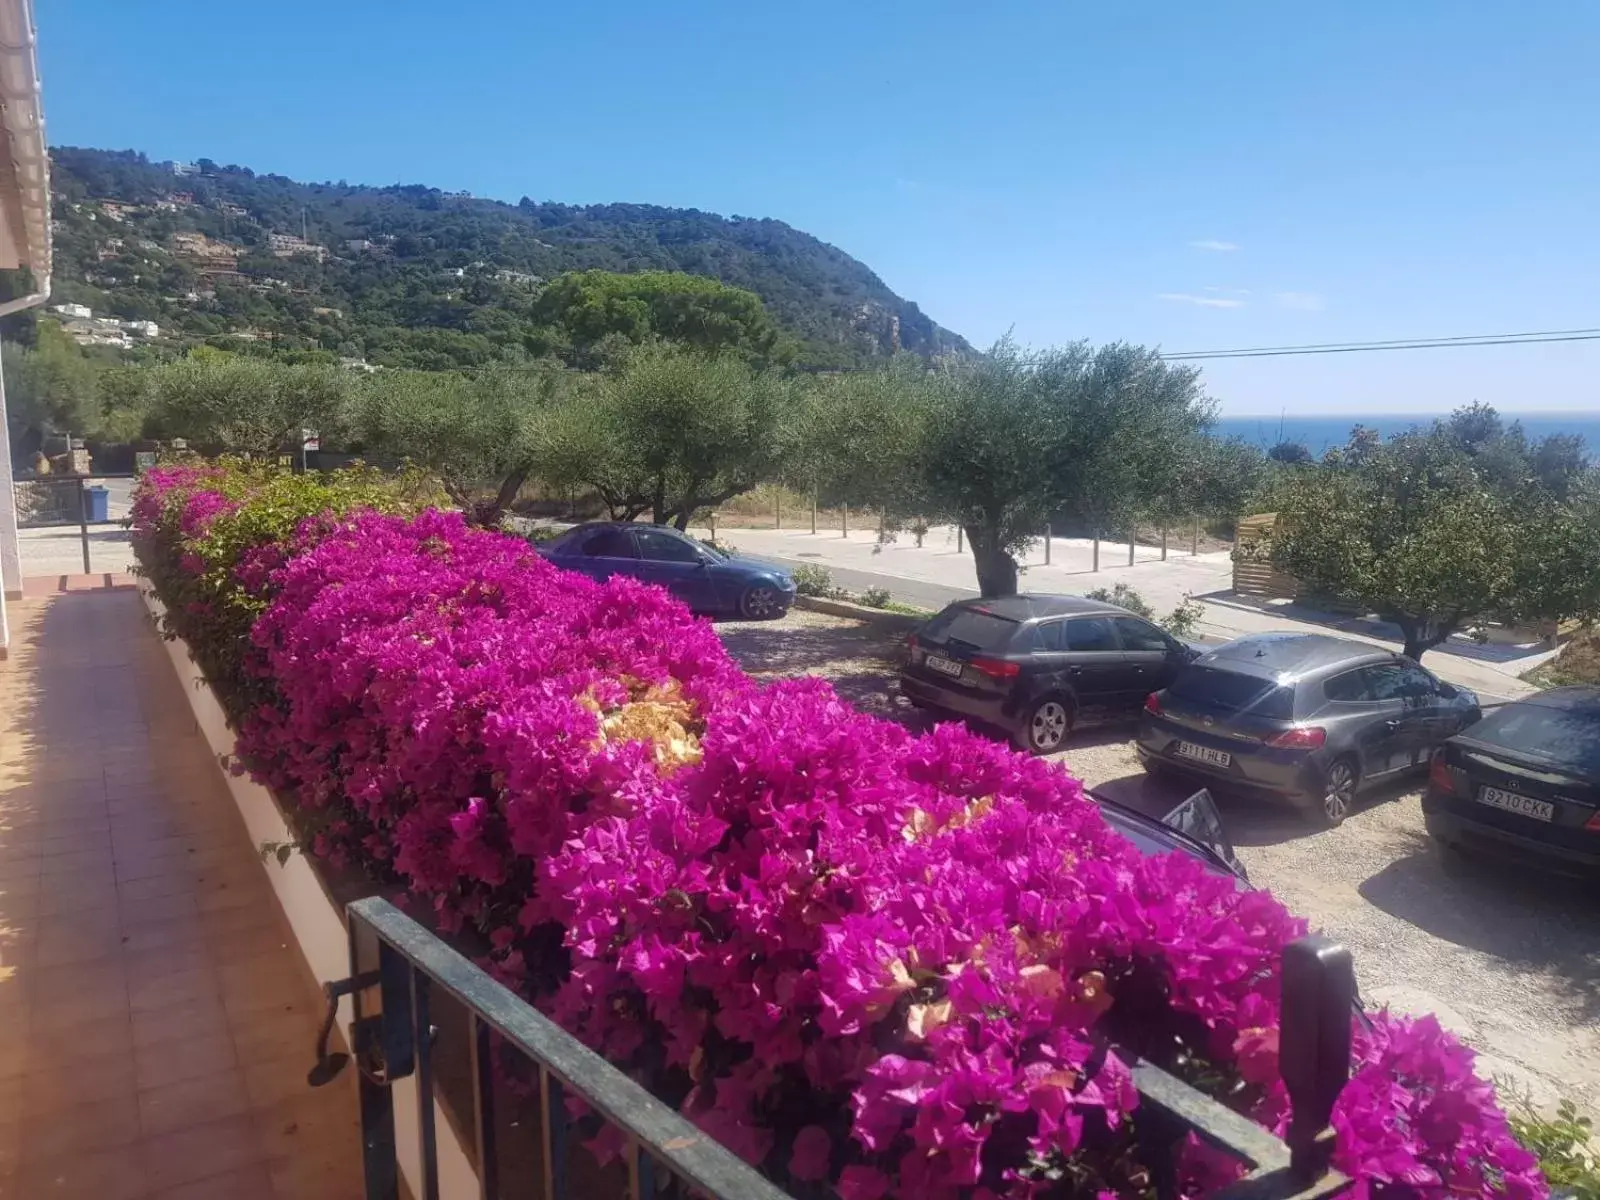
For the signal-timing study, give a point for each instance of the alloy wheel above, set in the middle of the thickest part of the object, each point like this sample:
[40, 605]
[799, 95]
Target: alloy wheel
[761, 603]
[1338, 793]
[1048, 728]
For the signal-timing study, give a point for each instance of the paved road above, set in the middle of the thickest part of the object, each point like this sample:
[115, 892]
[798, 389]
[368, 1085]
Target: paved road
[924, 594]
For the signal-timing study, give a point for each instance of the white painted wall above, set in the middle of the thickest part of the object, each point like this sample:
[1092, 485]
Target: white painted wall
[10, 557]
[318, 925]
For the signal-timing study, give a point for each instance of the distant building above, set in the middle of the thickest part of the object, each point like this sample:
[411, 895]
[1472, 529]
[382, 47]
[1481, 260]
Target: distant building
[522, 277]
[81, 312]
[288, 245]
[117, 210]
[183, 169]
[360, 245]
[234, 210]
[357, 364]
[328, 312]
[208, 257]
[147, 329]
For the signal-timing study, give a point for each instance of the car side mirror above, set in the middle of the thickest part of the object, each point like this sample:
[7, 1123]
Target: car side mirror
[1448, 691]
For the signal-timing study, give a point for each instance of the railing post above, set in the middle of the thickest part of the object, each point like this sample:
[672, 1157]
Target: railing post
[960, 532]
[777, 507]
[422, 1049]
[1132, 543]
[483, 1110]
[844, 520]
[1096, 565]
[1194, 546]
[1047, 543]
[553, 1117]
[83, 524]
[379, 1168]
[1314, 1045]
[813, 510]
[1163, 543]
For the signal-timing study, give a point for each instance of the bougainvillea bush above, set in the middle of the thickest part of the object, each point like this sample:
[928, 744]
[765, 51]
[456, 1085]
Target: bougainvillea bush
[875, 964]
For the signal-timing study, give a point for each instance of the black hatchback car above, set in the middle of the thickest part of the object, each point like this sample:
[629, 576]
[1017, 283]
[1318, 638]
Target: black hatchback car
[1032, 665]
[1524, 781]
[1311, 718]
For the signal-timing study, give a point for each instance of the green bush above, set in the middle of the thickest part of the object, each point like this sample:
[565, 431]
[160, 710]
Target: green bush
[810, 580]
[1122, 596]
[876, 597]
[1562, 1145]
[1180, 622]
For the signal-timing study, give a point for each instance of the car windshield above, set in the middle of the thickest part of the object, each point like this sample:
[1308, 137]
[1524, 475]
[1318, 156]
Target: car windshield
[1233, 691]
[1565, 736]
[970, 626]
[712, 551]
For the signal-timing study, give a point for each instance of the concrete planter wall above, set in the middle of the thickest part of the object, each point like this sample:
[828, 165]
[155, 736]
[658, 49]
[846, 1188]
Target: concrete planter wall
[317, 920]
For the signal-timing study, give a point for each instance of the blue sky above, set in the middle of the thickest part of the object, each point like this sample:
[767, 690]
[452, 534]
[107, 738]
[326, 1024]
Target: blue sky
[1198, 176]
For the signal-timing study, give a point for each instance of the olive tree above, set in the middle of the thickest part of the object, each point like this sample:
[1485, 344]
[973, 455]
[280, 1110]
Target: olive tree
[1011, 438]
[1435, 535]
[250, 405]
[481, 434]
[672, 430]
[860, 438]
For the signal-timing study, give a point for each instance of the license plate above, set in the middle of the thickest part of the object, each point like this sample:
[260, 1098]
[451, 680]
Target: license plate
[1526, 806]
[945, 666]
[1205, 754]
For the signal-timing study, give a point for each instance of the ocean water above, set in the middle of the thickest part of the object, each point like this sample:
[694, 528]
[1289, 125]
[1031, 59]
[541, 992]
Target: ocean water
[1318, 433]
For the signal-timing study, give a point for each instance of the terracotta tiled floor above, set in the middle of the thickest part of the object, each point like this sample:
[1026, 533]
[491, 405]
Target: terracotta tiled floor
[156, 1024]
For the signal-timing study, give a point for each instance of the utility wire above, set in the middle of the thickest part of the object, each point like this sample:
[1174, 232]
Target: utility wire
[1439, 343]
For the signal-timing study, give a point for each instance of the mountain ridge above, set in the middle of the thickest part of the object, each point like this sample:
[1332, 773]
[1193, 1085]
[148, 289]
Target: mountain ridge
[411, 275]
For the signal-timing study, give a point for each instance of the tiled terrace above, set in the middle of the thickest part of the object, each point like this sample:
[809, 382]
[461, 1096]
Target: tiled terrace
[156, 1022]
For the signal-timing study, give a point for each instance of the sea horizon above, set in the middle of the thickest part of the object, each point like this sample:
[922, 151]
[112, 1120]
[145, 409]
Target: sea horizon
[1320, 431]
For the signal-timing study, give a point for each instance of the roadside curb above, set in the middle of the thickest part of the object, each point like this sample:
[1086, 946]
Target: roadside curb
[860, 612]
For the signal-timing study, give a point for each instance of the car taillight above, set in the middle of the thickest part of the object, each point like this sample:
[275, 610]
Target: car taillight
[1152, 704]
[1301, 737]
[911, 642]
[996, 668]
[1593, 823]
[1440, 774]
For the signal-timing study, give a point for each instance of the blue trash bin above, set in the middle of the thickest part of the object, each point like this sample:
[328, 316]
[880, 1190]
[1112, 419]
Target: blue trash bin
[99, 503]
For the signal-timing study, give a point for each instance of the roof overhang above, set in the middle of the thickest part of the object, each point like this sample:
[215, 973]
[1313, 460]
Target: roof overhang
[24, 160]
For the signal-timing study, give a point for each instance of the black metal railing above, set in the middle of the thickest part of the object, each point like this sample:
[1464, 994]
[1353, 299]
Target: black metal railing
[394, 1039]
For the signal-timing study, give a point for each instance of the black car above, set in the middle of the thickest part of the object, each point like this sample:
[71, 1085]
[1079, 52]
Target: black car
[1308, 717]
[1032, 665]
[707, 580]
[1524, 781]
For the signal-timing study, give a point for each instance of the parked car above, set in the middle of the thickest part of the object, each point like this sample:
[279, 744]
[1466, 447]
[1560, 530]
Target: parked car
[1307, 717]
[1033, 665]
[705, 579]
[1524, 781]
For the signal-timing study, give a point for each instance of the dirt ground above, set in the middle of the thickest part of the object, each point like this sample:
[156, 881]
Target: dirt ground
[1507, 959]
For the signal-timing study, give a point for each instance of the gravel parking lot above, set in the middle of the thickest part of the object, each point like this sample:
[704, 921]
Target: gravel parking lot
[1509, 959]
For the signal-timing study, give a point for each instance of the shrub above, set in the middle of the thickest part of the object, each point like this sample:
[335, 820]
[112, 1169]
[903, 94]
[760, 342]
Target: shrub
[811, 580]
[1563, 1145]
[907, 966]
[1182, 621]
[1122, 596]
[876, 597]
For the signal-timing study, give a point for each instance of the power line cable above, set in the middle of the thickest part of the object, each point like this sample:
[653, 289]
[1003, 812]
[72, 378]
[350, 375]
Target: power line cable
[1440, 343]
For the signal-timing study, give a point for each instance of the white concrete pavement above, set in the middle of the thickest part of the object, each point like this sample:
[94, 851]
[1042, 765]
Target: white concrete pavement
[938, 572]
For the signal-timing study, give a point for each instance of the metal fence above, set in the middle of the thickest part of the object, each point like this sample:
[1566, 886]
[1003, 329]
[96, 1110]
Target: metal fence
[61, 501]
[399, 970]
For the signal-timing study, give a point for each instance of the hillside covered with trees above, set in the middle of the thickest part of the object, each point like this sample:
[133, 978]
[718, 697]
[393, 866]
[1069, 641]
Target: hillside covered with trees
[410, 276]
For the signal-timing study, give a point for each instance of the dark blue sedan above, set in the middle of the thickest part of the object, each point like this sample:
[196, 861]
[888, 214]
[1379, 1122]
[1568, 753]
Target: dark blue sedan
[707, 580]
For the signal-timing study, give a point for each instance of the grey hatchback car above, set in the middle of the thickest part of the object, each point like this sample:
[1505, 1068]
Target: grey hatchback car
[1308, 717]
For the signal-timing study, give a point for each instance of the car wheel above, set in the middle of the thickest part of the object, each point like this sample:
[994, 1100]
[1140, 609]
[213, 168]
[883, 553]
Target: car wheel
[1338, 792]
[761, 604]
[1046, 726]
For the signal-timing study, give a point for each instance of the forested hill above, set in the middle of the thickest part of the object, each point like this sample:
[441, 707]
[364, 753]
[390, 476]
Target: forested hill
[413, 276]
